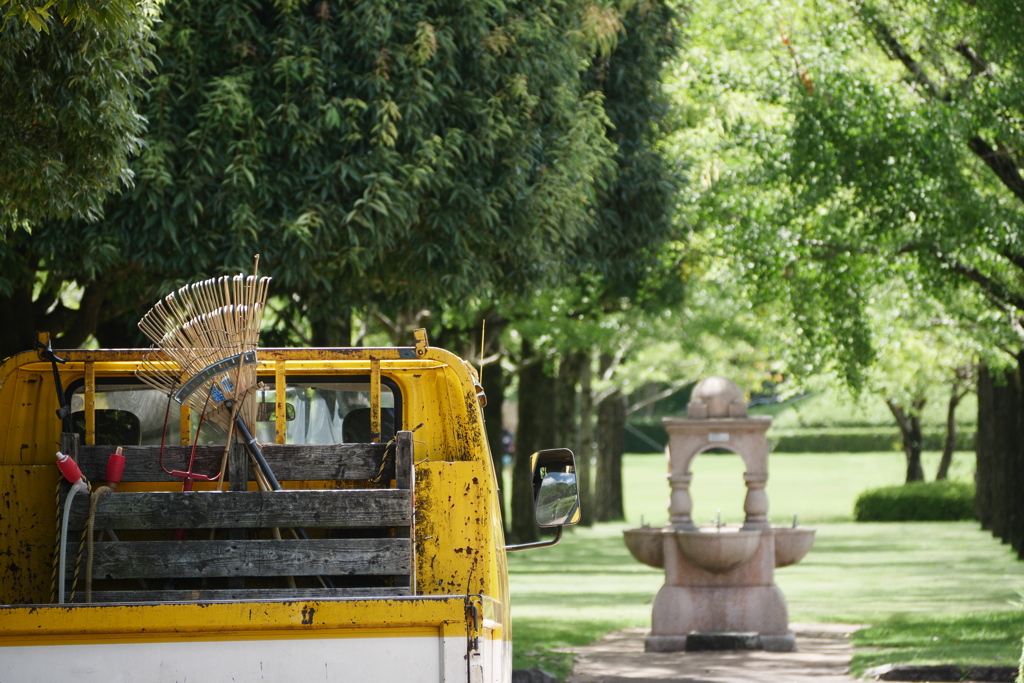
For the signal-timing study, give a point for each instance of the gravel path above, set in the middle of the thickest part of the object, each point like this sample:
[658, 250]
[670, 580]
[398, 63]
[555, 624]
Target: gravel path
[823, 655]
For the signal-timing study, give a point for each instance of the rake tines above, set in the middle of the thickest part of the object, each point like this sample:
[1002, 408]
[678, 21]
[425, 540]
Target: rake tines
[204, 345]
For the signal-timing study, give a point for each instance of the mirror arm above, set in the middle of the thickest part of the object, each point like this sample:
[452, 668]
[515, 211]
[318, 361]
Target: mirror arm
[538, 544]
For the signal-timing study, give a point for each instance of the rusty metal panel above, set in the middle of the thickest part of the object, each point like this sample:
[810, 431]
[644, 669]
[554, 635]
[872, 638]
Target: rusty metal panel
[27, 532]
[457, 550]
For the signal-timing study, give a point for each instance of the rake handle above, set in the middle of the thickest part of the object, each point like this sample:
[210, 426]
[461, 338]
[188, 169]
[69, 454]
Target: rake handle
[254, 449]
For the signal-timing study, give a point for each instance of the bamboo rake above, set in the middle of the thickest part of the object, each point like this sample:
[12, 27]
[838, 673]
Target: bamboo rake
[204, 345]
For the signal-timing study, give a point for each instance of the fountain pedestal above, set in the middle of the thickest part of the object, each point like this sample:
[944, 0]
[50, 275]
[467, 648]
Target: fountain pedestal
[719, 580]
[743, 599]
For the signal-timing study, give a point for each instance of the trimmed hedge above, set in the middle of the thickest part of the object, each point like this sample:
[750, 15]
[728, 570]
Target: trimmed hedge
[650, 437]
[859, 440]
[933, 501]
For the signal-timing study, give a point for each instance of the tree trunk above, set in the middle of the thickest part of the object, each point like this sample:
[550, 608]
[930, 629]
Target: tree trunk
[80, 324]
[536, 431]
[611, 420]
[1013, 482]
[121, 332]
[567, 433]
[999, 506]
[493, 381]
[331, 328]
[573, 381]
[910, 431]
[949, 445]
[585, 454]
[983, 438]
[986, 440]
[18, 331]
[995, 409]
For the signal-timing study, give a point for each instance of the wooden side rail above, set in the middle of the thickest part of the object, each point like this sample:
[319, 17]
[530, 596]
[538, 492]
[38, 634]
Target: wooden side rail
[362, 538]
[344, 462]
[245, 594]
[251, 558]
[324, 509]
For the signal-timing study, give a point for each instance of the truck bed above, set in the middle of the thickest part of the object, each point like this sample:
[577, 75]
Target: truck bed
[239, 543]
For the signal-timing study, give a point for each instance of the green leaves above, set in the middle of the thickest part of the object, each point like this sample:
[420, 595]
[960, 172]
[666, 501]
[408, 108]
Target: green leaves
[68, 89]
[376, 154]
[840, 157]
[109, 16]
[372, 152]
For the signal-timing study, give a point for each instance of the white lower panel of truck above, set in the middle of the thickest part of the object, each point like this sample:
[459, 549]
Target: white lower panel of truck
[410, 659]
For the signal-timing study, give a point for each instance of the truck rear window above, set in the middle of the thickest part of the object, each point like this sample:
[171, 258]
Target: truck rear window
[325, 412]
[318, 411]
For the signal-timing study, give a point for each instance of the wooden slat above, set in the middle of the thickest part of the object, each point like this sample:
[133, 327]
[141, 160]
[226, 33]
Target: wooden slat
[403, 460]
[209, 559]
[328, 462]
[238, 480]
[215, 594]
[238, 468]
[390, 510]
[311, 509]
[289, 462]
[142, 463]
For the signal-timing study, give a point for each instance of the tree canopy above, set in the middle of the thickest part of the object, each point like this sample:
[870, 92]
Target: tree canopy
[396, 152]
[69, 79]
[70, 76]
[884, 138]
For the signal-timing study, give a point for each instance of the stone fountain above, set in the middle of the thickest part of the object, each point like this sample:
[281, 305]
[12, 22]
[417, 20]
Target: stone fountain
[719, 581]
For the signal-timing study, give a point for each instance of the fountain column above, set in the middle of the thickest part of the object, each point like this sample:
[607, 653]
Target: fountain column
[755, 505]
[680, 504]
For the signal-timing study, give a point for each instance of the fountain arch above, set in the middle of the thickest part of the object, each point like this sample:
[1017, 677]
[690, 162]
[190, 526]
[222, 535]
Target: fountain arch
[717, 417]
[717, 487]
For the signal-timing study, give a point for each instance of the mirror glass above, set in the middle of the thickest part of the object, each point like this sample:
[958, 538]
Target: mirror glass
[556, 496]
[266, 411]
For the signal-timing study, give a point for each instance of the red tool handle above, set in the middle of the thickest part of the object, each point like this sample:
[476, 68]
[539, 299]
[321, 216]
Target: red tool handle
[69, 468]
[115, 467]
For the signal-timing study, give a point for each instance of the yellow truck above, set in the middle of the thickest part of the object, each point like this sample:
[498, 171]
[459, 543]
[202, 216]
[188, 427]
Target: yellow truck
[379, 557]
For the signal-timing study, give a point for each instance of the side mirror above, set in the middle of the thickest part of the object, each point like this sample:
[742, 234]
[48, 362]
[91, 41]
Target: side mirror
[556, 497]
[555, 494]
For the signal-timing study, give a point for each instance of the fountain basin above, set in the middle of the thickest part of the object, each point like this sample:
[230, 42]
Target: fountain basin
[647, 545]
[718, 550]
[792, 543]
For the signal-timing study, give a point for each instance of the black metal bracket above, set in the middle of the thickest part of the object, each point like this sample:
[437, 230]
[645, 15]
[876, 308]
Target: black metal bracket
[46, 353]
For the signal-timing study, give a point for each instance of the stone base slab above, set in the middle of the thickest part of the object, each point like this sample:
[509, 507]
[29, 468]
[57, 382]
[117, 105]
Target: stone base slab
[713, 642]
[785, 642]
[704, 642]
[665, 643]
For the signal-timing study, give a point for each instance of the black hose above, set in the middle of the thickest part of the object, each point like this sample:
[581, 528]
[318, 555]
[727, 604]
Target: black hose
[254, 449]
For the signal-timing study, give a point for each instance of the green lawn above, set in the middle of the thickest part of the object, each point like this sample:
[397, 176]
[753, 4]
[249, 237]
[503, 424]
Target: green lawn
[588, 585]
[815, 487]
[965, 639]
